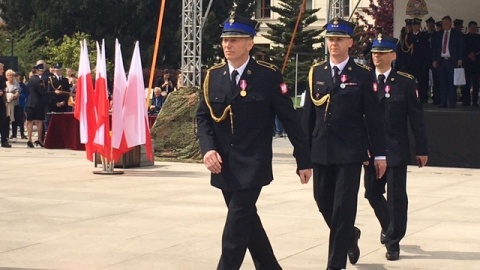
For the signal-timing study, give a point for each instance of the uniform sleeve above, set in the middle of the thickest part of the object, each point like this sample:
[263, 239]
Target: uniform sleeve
[415, 117]
[283, 108]
[205, 131]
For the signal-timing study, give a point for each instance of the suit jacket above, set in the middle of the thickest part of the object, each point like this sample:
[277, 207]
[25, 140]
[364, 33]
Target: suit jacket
[36, 93]
[339, 135]
[399, 109]
[55, 84]
[472, 45]
[455, 45]
[246, 150]
[157, 102]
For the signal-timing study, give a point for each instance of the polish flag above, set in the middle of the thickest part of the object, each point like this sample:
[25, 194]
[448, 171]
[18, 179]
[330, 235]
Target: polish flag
[119, 144]
[85, 103]
[102, 136]
[134, 107]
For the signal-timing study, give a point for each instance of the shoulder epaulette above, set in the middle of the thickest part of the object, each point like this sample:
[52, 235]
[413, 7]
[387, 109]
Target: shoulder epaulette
[318, 64]
[410, 76]
[268, 65]
[363, 66]
[219, 65]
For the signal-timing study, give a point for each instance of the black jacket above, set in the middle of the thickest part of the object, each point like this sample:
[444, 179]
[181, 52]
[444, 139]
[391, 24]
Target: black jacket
[247, 150]
[399, 109]
[339, 135]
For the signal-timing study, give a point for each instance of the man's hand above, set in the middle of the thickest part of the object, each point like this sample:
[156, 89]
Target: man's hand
[459, 63]
[305, 175]
[422, 161]
[213, 161]
[380, 167]
[435, 64]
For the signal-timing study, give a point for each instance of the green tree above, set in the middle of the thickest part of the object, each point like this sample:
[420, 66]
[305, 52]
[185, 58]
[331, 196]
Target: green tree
[305, 39]
[67, 51]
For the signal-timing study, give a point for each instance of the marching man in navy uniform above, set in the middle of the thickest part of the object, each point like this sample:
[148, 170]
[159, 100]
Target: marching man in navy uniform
[235, 121]
[339, 110]
[59, 89]
[397, 92]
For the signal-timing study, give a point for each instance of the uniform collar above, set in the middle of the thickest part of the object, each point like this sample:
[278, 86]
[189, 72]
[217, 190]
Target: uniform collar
[239, 69]
[386, 73]
[341, 65]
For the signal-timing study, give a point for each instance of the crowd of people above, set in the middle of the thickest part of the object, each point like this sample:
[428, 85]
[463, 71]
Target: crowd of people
[28, 101]
[431, 53]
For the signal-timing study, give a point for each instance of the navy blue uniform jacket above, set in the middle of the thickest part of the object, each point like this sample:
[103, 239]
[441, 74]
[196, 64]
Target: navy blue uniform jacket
[339, 135]
[247, 151]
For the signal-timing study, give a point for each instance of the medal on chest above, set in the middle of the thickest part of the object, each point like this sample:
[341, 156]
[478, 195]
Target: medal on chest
[243, 87]
[387, 91]
[343, 79]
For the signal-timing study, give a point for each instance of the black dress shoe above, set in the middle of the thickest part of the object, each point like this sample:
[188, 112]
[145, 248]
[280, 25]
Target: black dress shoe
[383, 235]
[29, 144]
[38, 143]
[392, 255]
[333, 268]
[354, 250]
[6, 145]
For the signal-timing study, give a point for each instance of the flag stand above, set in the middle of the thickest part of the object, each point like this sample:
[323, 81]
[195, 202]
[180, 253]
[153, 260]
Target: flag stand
[107, 167]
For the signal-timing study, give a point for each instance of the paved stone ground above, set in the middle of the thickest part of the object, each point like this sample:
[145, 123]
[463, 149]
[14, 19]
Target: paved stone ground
[56, 214]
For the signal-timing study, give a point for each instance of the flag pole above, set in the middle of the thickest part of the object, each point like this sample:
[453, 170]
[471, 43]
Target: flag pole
[155, 50]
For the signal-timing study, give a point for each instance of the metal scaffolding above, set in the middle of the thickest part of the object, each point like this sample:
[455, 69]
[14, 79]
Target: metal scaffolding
[191, 42]
[335, 9]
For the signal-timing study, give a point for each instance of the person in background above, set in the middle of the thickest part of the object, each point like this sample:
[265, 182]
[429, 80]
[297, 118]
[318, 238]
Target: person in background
[35, 107]
[235, 120]
[340, 116]
[12, 92]
[401, 108]
[157, 101]
[19, 122]
[421, 59]
[448, 52]
[458, 24]
[472, 66]
[165, 82]
[4, 121]
[59, 89]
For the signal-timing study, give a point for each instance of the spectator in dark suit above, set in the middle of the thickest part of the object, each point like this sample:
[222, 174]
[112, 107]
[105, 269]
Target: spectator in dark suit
[157, 101]
[472, 66]
[235, 122]
[448, 50]
[400, 106]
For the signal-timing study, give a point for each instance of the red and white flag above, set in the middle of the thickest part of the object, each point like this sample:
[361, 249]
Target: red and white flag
[134, 107]
[119, 143]
[85, 103]
[102, 136]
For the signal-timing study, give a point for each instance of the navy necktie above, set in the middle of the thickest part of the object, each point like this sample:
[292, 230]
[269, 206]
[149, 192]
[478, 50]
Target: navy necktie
[336, 75]
[381, 83]
[233, 81]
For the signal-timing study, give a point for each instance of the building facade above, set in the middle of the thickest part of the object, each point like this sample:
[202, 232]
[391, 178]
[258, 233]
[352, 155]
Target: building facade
[264, 14]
